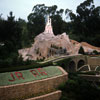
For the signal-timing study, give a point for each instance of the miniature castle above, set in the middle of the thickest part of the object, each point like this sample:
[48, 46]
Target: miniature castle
[44, 43]
[48, 27]
[47, 44]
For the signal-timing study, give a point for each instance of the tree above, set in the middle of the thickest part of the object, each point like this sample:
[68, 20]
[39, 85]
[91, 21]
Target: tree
[13, 36]
[95, 52]
[25, 40]
[10, 36]
[57, 23]
[81, 50]
[78, 88]
[86, 22]
[37, 19]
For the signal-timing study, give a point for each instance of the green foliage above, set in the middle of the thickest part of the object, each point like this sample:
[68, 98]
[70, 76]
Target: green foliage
[23, 66]
[17, 34]
[95, 52]
[81, 50]
[85, 23]
[36, 19]
[13, 36]
[58, 24]
[77, 88]
[41, 59]
[63, 62]
[50, 71]
[54, 46]
[88, 73]
[98, 68]
[25, 40]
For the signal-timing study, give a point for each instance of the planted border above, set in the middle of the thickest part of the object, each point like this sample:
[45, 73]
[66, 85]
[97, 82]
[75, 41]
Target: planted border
[18, 77]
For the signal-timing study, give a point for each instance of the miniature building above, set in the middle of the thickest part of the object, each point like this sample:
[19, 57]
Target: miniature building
[48, 27]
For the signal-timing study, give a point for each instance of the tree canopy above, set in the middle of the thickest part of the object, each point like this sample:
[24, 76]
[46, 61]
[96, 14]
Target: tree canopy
[84, 25]
[86, 22]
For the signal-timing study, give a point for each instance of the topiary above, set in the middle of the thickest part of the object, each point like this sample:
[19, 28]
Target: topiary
[95, 52]
[81, 50]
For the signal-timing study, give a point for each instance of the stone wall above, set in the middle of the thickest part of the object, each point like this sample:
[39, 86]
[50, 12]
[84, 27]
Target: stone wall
[51, 96]
[95, 78]
[93, 62]
[20, 90]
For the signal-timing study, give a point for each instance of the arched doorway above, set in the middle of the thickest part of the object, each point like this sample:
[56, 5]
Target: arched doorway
[80, 63]
[71, 67]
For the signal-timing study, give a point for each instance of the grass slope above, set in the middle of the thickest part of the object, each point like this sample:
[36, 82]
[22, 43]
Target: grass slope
[28, 76]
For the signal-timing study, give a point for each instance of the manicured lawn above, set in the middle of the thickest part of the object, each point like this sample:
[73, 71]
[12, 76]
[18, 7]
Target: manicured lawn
[16, 77]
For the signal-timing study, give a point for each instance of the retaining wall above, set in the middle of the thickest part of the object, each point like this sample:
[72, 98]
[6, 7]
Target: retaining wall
[95, 78]
[23, 89]
[94, 62]
[51, 96]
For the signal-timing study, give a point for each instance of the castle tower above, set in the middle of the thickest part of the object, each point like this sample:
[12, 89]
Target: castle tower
[48, 27]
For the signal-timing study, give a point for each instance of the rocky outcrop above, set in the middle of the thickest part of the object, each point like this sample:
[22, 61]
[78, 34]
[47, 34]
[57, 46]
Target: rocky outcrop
[47, 44]
[87, 47]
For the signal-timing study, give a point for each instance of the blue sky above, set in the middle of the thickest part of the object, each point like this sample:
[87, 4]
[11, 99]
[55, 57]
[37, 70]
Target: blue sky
[22, 8]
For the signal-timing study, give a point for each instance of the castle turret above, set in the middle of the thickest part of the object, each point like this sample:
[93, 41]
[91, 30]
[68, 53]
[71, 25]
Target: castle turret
[48, 27]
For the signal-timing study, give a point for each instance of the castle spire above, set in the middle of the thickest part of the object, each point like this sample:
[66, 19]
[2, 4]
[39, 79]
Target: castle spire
[48, 27]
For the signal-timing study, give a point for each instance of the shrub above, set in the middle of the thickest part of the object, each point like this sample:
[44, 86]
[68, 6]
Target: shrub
[77, 88]
[95, 52]
[81, 50]
[63, 63]
[54, 46]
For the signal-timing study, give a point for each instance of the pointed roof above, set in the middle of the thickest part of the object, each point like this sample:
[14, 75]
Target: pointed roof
[48, 27]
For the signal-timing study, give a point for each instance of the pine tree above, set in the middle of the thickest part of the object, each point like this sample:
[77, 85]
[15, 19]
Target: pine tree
[81, 50]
